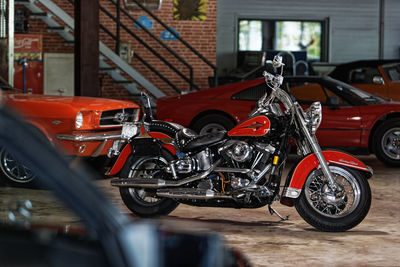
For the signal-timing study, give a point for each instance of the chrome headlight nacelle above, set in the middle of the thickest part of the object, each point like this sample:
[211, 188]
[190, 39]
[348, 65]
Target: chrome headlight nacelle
[313, 116]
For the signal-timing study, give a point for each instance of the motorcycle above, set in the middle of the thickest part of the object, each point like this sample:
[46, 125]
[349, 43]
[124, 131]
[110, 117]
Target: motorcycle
[165, 164]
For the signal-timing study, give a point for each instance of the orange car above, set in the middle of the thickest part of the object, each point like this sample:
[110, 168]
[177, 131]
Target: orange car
[81, 126]
[378, 77]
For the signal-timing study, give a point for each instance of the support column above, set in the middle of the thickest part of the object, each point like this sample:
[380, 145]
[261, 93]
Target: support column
[86, 48]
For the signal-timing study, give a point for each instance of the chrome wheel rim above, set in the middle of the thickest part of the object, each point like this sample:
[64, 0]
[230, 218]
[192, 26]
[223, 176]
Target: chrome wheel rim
[14, 170]
[146, 168]
[333, 204]
[390, 143]
[212, 128]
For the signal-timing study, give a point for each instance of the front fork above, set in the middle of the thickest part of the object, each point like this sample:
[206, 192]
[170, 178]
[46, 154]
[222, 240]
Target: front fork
[316, 149]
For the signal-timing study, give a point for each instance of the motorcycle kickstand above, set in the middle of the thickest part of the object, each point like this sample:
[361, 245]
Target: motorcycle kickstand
[273, 211]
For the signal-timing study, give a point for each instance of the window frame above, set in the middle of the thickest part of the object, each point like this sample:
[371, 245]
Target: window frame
[324, 56]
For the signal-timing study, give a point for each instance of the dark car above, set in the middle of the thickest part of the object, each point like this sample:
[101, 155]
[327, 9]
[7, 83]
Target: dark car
[378, 77]
[105, 236]
[352, 119]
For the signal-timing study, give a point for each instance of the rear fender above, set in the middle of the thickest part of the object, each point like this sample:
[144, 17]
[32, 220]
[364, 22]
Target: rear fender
[141, 147]
[120, 162]
[145, 145]
[298, 176]
[165, 140]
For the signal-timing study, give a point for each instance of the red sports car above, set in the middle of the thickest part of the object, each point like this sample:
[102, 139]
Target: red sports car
[352, 119]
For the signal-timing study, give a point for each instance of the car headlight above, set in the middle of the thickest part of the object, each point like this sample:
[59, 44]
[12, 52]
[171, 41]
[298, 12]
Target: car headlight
[313, 116]
[79, 120]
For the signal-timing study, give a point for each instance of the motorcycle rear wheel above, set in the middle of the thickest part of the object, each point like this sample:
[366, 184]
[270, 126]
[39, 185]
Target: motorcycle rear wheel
[339, 211]
[143, 202]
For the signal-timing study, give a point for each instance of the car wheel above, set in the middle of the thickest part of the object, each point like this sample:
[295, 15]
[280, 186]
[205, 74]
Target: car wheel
[213, 123]
[14, 173]
[387, 142]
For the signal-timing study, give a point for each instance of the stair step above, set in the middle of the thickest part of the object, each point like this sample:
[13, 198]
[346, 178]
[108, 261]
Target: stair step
[69, 43]
[56, 29]
[38, 15]
[123, 82]
[107, 69]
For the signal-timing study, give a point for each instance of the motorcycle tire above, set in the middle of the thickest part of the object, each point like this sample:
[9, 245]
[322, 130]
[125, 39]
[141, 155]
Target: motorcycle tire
[338, 212]
[143, 202]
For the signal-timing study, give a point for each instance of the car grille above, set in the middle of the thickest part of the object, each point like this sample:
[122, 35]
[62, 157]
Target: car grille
[117, 116]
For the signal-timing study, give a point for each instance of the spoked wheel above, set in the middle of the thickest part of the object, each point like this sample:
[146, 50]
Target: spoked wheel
[144, 202]
[338, 210]
[387, 142]
[13, 172]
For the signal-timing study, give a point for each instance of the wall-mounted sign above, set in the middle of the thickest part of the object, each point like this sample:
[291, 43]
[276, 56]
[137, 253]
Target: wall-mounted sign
[145, 21]
[168, 36]
[190, 9]
[28, 46]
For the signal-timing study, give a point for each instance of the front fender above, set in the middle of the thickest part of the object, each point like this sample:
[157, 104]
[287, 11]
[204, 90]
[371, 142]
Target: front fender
[301, 171]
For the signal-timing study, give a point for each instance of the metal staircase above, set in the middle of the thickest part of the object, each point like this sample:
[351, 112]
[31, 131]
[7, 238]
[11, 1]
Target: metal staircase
[105, 53]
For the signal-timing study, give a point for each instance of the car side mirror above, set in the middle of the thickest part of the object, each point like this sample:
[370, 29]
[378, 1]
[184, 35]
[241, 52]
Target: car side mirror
[378, 80]
[333, 102]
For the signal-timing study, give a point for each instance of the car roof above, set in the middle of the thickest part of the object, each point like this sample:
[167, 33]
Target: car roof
[343, 69]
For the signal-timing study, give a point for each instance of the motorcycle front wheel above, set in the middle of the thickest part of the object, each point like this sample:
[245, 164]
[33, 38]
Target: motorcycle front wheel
[335, 211]
[144, 202]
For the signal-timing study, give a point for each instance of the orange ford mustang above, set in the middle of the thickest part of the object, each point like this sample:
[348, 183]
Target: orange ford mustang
[81, 126]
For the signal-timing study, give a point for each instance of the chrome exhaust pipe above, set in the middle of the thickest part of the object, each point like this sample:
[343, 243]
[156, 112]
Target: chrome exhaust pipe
[191, 193]
[160, 183]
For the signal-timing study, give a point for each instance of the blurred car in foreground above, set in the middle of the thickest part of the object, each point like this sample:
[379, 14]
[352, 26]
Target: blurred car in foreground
[81, 126]
[378, 77]
[352, 119]
[97, 234]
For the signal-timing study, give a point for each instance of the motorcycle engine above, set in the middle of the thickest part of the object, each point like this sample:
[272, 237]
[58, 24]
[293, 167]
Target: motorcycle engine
[240, 151]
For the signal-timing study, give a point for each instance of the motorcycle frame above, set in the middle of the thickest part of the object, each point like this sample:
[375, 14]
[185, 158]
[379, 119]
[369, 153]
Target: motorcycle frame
[313, 156]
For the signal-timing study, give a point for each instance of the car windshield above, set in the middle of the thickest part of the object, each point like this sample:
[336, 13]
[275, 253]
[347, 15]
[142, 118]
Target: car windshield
[355, 93]
[392, 72]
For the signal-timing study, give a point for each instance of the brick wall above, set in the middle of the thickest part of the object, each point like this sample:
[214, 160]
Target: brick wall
[199, 34]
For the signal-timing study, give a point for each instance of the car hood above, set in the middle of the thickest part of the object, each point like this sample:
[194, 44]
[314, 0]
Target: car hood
[219, 92]
[77, 102]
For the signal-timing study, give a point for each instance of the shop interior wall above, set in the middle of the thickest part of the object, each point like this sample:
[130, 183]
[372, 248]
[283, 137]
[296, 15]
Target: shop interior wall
[353, 26]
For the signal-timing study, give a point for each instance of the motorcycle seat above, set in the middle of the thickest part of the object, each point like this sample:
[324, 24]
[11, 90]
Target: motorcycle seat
[188, 140]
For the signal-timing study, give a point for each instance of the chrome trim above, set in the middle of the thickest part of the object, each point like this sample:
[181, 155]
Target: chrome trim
[224, 169]
[315, 146]
[190, 193]
[291, 192]
[89, 137]
[119, 117]
[158, 183]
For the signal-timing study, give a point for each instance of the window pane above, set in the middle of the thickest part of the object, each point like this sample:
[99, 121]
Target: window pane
[299, 36]
[252, 94]
[307, 93]
[392, 72]
[250, 35]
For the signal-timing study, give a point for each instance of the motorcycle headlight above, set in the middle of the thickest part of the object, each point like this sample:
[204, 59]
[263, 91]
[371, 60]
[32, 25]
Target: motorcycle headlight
[79, 120]
[313, 116]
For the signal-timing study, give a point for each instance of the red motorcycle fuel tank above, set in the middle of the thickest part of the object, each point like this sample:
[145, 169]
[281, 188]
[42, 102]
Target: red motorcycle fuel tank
[256, 126]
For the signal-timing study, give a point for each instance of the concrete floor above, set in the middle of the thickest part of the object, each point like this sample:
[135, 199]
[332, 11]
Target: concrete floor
[265, 240]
